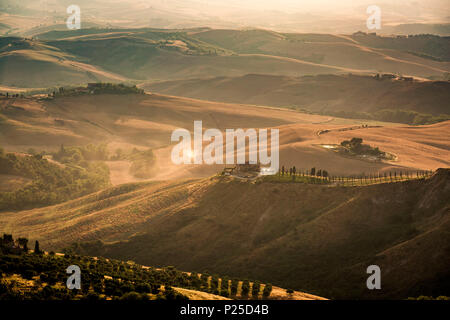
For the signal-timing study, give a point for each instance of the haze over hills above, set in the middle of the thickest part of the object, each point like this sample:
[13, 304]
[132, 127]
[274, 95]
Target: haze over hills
[146, 121]
[118, 55]
[25, 63]
[320, 16]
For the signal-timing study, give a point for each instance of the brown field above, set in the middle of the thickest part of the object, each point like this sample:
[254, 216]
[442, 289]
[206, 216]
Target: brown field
[146, 121]
[350, 92]
[61, 58]
[339, 52]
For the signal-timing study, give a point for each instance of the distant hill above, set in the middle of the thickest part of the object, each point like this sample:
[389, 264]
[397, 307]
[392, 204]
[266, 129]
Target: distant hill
[146, 121]
[418, 28]
[322, 93]
[277, 232]
[109, 279]
[32, 64]
[425, 45]
[62, 57]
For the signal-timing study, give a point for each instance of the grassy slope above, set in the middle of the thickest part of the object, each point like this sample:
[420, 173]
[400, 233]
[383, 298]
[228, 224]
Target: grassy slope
[49, 271]
[147, 121]
[312, 238]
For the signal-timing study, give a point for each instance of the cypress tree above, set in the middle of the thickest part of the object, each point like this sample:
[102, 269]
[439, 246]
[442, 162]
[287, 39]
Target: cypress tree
[234, 286]
[36, 248]
[255, 289]
[245, 288]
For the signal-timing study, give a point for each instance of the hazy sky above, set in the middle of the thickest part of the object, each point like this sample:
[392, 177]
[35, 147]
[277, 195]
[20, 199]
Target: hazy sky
[326, 16]
[402, 10]
[295, 5]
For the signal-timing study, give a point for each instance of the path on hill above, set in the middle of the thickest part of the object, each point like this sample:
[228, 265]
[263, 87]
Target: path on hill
[299, 61]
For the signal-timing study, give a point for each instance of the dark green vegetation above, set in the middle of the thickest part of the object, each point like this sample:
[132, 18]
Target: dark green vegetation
[100, 278]
[355, 146]
[98, 88]
[50, 182]
[310, 238]
[347, 96]
[80, 155]
[321, 176]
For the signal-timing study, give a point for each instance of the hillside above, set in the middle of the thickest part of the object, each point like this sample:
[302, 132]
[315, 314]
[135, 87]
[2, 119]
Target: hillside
[426, 45]
[38, 275]
[30, 181]
[281, 233]
[418, 28]
[123, 54]
[323, 93]
[146, 122]
[32, 64]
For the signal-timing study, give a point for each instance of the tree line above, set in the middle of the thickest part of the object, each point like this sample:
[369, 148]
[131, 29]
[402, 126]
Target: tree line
[321, 176]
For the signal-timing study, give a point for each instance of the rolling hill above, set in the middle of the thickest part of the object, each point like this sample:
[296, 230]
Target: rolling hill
[40, 275]
[321, 93]
[114, 54]
[341, 51]
[147, 121]
[31, 64]
[277, 232]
